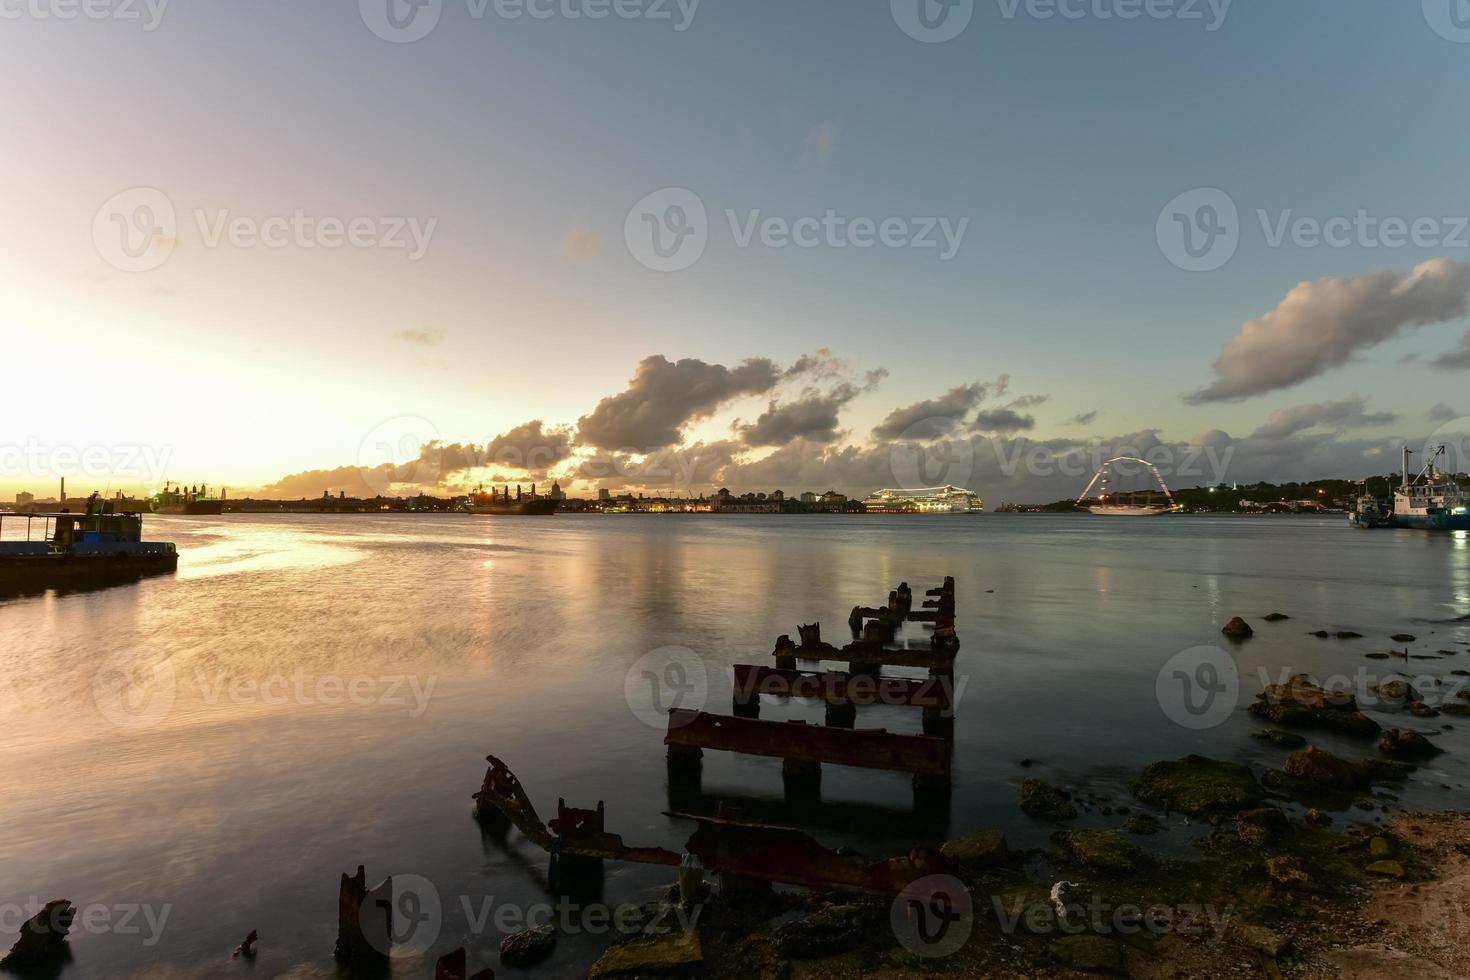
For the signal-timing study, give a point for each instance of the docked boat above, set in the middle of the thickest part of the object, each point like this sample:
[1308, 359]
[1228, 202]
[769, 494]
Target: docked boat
[42, 550]
[192, 501]
[500, 502]
[1431, 501]
[1369, 512]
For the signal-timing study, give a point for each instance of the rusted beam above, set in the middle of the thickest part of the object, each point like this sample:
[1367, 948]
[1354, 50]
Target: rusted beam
[725, 846]
[872, 654]
[865, 749]
[935, 693]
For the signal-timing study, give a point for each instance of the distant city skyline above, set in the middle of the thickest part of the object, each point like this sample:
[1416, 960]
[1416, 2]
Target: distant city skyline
[1066, 233]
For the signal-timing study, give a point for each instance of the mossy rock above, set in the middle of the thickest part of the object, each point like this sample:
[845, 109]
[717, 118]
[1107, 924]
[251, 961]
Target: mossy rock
[1285, 740]
[1142, 824]
[529, 946]
[1196, 784]
[1044, 801]
[1089, 954]
[981, 851]
[1105, 851]
[676, 954]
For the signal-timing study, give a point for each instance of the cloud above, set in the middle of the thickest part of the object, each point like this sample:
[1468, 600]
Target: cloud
[663, 396]
[582, 243]
[1085, 418]
[1457, 359]
[933, 417]
[1349, 413]
[531, 447]
[821, 142]
[1007, 418]
[812, 416]
[1320, 325]
[425, 338]
[1441, 413]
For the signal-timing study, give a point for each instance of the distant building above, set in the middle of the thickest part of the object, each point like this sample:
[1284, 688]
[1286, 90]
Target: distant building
[604, 495]
[556, 492]
[24, 499]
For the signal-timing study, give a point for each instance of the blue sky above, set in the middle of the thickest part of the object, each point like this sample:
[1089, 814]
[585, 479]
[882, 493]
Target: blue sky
[527, 141]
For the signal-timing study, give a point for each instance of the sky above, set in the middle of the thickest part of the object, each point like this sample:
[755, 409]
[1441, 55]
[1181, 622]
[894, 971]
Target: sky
[386, 245]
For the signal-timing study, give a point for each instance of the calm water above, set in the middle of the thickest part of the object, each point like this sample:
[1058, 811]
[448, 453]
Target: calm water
[311, 694]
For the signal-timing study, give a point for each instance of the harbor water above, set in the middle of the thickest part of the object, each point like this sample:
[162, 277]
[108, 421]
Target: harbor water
[212, 749]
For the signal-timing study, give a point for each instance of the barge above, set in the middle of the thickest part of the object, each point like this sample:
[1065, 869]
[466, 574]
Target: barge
[99, 547]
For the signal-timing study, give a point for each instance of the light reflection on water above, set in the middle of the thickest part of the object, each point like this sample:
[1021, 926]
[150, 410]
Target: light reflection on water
[439, 639]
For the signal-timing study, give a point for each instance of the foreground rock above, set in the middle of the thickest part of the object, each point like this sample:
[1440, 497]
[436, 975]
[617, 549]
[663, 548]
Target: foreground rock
[364, 922]
[1300, 703]
[529, 946]
[676, 954]
[978, 852]
[827, 932]
[1105, 851]
[1089, 954]
[1377, 963]
[1196, 784]
[41, 949]
[1407, 745]
[1237, 629]
[1319, 769]
[1044, 801]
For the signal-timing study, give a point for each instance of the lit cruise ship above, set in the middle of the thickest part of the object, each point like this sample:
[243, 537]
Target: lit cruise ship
[929, 500]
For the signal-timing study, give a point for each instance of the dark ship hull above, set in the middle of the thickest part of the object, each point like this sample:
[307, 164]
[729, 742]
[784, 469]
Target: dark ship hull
[191, 508]
[541, 507]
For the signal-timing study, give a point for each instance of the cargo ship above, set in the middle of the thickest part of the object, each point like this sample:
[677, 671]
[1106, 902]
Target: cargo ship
[1431, 501]
[98, 547]
[500, 502]
[185, 500]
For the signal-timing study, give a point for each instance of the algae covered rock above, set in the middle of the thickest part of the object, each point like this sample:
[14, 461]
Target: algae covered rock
[1258, 826]
[1386, 869]
[1142, 824]
[1196, 784]
[1044, 801]
[827, 932]
[1319, 769]
[1284, 740]
[1407, 745]
[675, 954]
[1089, 954]
[986, 849]
[1105, 851]
[529, 946]
[1301, 703]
